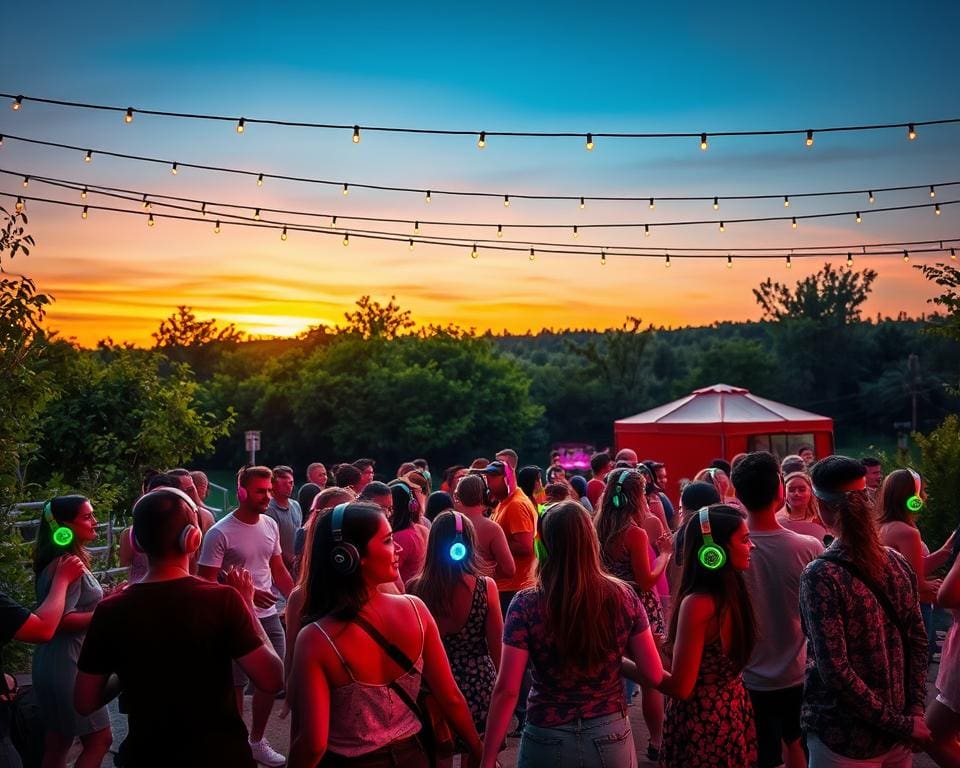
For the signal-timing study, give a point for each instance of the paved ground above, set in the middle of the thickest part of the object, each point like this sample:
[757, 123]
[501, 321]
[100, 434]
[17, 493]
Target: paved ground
[278, 732]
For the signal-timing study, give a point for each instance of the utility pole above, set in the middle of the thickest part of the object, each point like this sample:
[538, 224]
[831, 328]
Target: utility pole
[913, 366]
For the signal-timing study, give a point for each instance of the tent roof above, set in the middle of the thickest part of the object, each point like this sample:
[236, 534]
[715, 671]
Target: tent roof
[722, 403]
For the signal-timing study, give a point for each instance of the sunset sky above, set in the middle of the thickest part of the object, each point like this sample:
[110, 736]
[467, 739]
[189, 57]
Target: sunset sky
[580, 67]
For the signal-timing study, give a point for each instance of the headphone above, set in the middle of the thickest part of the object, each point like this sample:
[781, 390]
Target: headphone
[413, 505]
[190, 537]
[711, 556]
[488, 498]
[344, 557]
[915, 503]
[618, 499]
[242, 494]
[61, 534]
[458, 549]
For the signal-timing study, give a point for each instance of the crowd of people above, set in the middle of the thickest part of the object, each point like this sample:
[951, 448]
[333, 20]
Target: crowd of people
[776, 613]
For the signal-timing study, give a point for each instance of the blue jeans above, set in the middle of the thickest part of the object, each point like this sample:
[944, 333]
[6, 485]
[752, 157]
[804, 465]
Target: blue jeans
[599, 742]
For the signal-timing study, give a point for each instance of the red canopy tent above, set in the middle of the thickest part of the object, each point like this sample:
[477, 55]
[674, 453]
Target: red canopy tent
[719, 422]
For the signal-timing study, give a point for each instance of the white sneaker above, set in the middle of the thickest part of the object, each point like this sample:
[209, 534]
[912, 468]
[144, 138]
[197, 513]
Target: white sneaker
[264, 754]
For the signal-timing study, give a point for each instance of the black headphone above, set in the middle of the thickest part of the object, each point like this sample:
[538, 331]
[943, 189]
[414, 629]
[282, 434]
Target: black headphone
[190, 537]
[618, 499]
[344, 557]
[413, 505]
[488, 498]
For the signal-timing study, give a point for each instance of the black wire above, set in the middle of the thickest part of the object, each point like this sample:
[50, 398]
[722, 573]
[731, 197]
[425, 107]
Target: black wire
[449, 132]
[454, 242]
[468, 193]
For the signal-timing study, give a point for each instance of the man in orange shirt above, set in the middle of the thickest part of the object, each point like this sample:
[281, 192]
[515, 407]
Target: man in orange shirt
[517, 516]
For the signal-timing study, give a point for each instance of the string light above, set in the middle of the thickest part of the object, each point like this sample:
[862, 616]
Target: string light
[729, 261]
[716, 204]
[241, 123]
[256, 215]
[346, 239]
[653, 204]
[793, 222]
[411, 243]
[849, 259]
[576, 233]
[474, 253]
[88, 158]
[17, 103]
[506, 201]
[533, 255]
[933, 192]
[333, 221]
[146, 203]
[809, 141]
[482, 141]
[173, 169]
[786, 201]
[429, 198]
[346, 189]
[953, 254]
[703, 142]
[870, 197]
[722, 228]
[906, 256]
[260, 180]
[356, 134]
[283, 235]
[128, 117]
[936, 209]
[646, 230]
[499, 230]
[216, 228]
[789, 263]
[83, 194]
[416, 227]
[83, 213]
[150, 221]
[666, 261]
[911, 132]
[859, 218]
[589, 142]
[603, 258]
[19, 205]
[26, 181]
[583, 203]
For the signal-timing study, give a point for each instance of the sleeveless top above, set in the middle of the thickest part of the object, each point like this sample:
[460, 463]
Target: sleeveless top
[369, 716]
[622, 568]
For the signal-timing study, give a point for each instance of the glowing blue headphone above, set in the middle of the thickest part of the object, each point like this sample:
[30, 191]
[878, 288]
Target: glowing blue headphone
[458, 549]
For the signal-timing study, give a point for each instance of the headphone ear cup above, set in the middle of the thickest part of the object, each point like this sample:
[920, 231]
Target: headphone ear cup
[712, 557]
[344, 558]
[190, 539]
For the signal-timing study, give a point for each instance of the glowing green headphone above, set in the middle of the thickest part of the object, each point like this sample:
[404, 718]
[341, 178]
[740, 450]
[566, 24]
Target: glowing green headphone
[915, 503]
[711, 556]
[62, 535]
[618, 498]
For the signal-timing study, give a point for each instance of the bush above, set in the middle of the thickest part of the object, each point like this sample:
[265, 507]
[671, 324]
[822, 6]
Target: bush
[940, 467]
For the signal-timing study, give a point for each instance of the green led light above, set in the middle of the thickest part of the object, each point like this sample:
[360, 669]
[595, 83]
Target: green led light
[62, 536]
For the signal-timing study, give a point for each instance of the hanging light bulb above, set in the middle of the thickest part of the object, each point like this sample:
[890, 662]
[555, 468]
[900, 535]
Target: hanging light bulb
[416, 227]
[283, 235]
[703, 142]
[646, 230]
[859, 217]
[666, 261]
[88, 158]
[19, 205]
[722, 227]
[583, 203]
[653, 204]
[499, 230]
[26, 181]
[146, 203]
[793, 222]
[482, 141]
[474, 253]
[428, 197]
[603, 258]
[506, 201]
[203, 209]
[716, 204]
[346, 239]
[589, 142]
[240, 125]
[411, 243]
[83, 193]
[532, 255]
[729, 261]
[786, 201]
[870, 197]
[128, 118]
[216, 228]
[849, 259]
[173, 169]
[911, 132]
[260, 180]
[789, 263]
[809, 141]
[356, 134]
[933, 192]
[256, 215]
[83, 213]
[333, 221]
[150, 221]
[576, 233]
[346, 189]
[906, 256]
[936, 209]
[953, 254]
[1, 139]
[17, 103]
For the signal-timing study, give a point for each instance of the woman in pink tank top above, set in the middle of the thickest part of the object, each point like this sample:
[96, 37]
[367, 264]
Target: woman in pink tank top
[362, 655]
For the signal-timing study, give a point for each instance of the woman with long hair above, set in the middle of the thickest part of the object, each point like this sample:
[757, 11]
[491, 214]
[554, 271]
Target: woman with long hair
[625, 553]
[362, 655]
[574, 626]
[865, 687]
[466, 607]
[411, 535]
[67, 526]
[437, 502]
[530, 481]
[709, 720]
[800, 512]
[719, 480]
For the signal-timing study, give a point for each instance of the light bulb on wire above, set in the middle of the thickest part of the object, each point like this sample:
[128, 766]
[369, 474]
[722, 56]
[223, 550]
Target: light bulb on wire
[19, 205]
[589, 143]
[809, 141]
[789, 262]
[859, 217]
[533, 255]
[576, 233]
[722, 227]
[241, 124]
[583, 203]
[256, 215]
[283, 235]
[653, 204]
[849, 259]
[216, 228]
[666, 261]
[429, 197]
[870, 198]
[911, 132]
[83, 213]
[17, 103]
[356, 134]
[786, 201]
[646, 230]
[411, 243]
[474, 253]
[716, 204]
[346, 239]
[128, 117]
[346, 189]
[506, 201]
[150, 221]
[703, 142]
[88, 158]
[936, 209]
[729, 261]
[482, 141]
[26, 181]
[793, 222]
[173, 169]
[603, 258]
[933, 192]
[260, 180]
[416, 227]
[499, 230]
[906, 256]
[83, 193]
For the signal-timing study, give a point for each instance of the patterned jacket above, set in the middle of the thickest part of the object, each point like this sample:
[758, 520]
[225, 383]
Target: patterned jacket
[858, 697]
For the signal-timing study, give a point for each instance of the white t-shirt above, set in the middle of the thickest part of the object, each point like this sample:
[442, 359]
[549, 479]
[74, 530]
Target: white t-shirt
[773, 580]
[231, 542]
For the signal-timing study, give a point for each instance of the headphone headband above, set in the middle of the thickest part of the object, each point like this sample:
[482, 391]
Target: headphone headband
[458, 549]
[167, 489]
[62, 535]
[711, 556]
[915, 502]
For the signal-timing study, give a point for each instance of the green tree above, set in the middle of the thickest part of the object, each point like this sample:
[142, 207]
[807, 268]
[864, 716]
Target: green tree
[372, 320]
[940, 467]
[830, 294]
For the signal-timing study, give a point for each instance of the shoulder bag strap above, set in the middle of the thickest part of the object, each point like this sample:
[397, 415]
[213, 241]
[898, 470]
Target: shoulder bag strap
[402, 660]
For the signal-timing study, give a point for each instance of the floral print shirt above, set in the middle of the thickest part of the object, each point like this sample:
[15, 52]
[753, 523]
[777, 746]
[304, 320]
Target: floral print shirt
[858, 697]
[559, 695]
